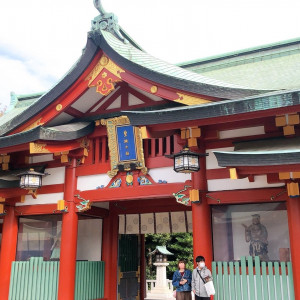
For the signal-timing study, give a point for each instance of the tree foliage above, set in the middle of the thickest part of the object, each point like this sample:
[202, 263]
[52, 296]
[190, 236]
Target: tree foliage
[181, 244]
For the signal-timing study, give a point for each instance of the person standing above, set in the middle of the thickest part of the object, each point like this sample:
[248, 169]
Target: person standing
[182, 281]
[201, 275]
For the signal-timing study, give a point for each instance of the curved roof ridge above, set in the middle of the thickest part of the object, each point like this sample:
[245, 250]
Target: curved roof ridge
[146, 65]
[241, 52]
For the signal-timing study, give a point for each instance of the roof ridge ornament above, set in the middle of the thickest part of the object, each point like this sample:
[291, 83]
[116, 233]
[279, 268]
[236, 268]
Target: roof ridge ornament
[106, 21]
[99, 7]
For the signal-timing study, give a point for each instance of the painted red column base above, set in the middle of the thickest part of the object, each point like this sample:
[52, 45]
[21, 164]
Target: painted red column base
[8, 250]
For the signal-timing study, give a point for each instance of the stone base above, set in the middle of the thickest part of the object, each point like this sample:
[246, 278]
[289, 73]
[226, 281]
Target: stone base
[151, 296]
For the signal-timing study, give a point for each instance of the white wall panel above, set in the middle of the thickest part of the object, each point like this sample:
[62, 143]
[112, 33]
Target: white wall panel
[89, 233]
[133, 100]
[40, 158]
[88, 99]
[227, 134]
[56, 176]
[91, 182]
[151, 96]
[168, 174]
[236, 184]
[42, 199]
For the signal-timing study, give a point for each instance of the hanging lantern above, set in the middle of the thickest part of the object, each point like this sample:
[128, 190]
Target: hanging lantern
[31, 180]
[186, 161]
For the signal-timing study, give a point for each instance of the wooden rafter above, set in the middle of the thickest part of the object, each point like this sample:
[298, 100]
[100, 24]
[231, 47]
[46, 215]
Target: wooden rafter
[141, 96]
[74, 112]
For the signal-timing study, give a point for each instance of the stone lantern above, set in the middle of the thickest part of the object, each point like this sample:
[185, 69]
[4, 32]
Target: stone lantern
[161, 289]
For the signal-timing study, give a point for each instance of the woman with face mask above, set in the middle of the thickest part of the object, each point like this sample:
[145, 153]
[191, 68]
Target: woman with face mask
[201, 274]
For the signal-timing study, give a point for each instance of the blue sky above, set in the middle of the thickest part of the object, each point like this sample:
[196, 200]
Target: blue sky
[41, 40]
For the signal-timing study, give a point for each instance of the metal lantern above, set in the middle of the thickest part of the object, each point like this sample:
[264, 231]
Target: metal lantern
[31, 180]
[186, 161]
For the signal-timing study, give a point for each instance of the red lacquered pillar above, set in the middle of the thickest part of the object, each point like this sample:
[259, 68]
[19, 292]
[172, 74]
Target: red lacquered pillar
[67, 268]
[114, 255]
[8, 250]
[293, 211]
[201, 215]
[106, 253]
[110, 253]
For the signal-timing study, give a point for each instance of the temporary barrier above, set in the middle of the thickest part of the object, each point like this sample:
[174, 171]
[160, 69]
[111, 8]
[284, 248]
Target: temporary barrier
[38, 279]
[250, 279]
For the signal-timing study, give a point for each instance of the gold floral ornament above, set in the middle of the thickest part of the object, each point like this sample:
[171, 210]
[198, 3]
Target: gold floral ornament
[190, 100]
[104, 76]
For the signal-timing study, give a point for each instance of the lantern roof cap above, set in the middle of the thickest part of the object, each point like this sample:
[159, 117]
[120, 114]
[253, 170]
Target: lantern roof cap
[32, 172]
[186, 150]
[161, 250]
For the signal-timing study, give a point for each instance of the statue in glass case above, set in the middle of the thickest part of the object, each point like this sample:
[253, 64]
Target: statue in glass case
[257, 235]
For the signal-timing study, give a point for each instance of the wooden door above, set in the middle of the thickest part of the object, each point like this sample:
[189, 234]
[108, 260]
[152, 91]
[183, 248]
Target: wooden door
[129, 269]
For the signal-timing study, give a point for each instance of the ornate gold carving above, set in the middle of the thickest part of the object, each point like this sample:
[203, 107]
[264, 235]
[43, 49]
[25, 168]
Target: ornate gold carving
[104, 60]
[59, 107]
[5, 159]
[64, 158]
[190, 100]
[4, 167]
[38, 148]
[84, 142]
[34, 124]
[104, 75]
[122, 120]
[115, 162]
[129, 178]
[153, 89]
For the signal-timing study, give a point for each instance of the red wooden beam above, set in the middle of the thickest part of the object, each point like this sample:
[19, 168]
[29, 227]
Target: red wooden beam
[130, 193]
[74, 112]
[162, 91]
[217, 173]
[16, 148]
[144, 206]
[247, 196]
[17, 192]
[142, 97]
[97, 168]
[43, 209]
[12, 192]
[107, 103]
[96, 212]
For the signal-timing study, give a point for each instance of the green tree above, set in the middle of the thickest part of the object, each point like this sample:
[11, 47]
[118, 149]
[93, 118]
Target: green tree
[181, 244]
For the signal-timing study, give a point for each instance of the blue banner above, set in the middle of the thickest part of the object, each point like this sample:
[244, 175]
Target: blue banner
[126, 143]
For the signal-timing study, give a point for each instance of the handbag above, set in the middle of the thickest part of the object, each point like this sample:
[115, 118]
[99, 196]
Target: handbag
[208, 285]
[210, 289]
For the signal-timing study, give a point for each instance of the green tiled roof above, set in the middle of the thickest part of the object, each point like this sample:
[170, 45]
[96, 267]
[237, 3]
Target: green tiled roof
[154, 64]
[162, 250]
[18, 104]
[274, 67]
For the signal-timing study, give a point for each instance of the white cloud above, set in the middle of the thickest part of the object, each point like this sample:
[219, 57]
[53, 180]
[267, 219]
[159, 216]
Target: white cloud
[16, 74]
[41, 40]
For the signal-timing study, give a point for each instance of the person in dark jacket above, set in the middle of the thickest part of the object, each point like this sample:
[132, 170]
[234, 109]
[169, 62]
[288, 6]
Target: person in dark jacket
[182, 279]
